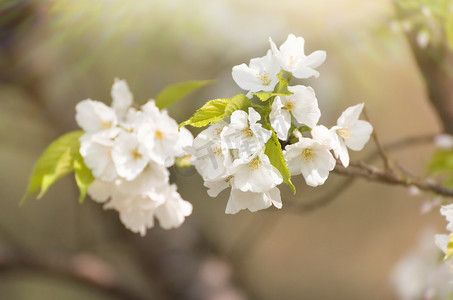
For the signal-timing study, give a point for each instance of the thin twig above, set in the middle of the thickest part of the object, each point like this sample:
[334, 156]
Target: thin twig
[70, 268]
[379, 147]
[375, 174]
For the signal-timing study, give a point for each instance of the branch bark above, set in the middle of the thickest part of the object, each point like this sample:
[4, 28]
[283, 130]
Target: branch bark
[85, 270]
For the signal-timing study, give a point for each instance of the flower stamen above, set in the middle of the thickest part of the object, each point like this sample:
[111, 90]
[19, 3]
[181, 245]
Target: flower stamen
[254, 164]
[308, 155]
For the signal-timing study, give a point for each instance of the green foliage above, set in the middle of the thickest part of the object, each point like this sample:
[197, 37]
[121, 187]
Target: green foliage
[172, 93]
[442, 163]
[274, 152]
[216, 110]
[449, 253]
[82, 175]
[264, 96]
[282, 85]
[59, 159]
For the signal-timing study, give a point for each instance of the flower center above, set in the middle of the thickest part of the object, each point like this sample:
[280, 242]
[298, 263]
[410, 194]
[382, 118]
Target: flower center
[344, 133]
[217, 151]
[247, 131]
[106, 124]
[254, 164]
[264, 77]
[308, 155]
[218, 131]
[292, 62]
[159, 134]
[289, 105]
[135, 154]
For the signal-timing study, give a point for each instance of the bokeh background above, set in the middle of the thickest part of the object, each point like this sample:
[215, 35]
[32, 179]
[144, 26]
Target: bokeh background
[54, 54]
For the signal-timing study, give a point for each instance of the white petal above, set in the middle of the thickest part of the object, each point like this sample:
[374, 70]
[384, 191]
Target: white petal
[315, 59]
[122, 97]
[98, 158]
[94, 116]
[280, 119]
[360, 133]
[216, 186]
[128, 156]
[350, 115]
[306, 110]
[247, 78]
[100, 191]
[172, 213]
[256, 176]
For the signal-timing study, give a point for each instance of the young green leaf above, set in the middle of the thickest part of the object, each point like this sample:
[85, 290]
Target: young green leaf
[82, 175]
[216, 110]
[264, 96]
[449, 253]
[274, 151]
[56, 161]
[282, 85]
[174, 92]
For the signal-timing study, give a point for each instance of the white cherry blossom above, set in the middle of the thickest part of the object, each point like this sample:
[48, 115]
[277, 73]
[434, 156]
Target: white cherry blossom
[122, 97]
[94, 116]
[97, 156]
[240, 200]
[160, 135]
[292, 58]
[172, 212]
[257, 175]
[260, 75]
[350, 132]
[129, 156]
[311, 159]
[302, 105]
[245, 134]
[207, 154]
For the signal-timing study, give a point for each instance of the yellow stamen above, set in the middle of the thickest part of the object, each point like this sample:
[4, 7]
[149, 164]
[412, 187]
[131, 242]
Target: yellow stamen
[218, 131]
[106, 124]
[136, 154]
[159, 134]
[344, 133]
[247, 131]
[254, 164]
[217, 151]
[308, 155]
[292, 62]
[289, 105]
[264, 77]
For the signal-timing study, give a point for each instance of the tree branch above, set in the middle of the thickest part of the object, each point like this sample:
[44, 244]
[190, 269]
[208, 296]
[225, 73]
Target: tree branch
[372, 173]
[85, 270]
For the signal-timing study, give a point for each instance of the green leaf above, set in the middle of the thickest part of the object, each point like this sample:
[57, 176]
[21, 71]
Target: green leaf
[441, 162]
[216, 110]
[282, 85]
[82, 175]
[264, 96]
[449, 253]
[174, 92]
[56, 161]
[274, 151]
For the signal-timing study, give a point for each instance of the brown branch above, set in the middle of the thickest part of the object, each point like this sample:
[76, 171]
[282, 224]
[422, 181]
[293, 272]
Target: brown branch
[84, 270]
[372, 173]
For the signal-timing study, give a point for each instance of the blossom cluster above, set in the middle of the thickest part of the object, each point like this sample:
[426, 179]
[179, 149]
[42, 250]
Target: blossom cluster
[443, 241]
[239, 153]
[420, 274]
[128, 150]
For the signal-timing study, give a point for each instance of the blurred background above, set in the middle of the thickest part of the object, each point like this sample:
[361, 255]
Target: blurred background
[54, 54]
